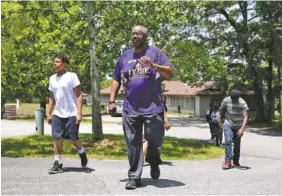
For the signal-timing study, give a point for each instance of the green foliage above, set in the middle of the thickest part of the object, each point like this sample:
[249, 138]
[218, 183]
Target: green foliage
[112, 147]
[105, 84]
[194, 63]
[228, 42]
[47, 29]
[28, 110]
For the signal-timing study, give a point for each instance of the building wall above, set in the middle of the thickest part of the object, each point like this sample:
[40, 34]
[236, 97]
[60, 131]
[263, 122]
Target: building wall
[202, 105]
[104, 99]
[186, 103]
[197, 106]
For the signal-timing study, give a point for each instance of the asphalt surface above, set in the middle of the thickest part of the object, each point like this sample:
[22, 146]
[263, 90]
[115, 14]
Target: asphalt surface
[261, 156]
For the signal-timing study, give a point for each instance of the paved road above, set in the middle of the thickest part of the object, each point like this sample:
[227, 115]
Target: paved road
[261, 152]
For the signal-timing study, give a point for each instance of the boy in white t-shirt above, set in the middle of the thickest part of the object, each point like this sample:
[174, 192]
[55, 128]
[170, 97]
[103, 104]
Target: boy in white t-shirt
[65, 95]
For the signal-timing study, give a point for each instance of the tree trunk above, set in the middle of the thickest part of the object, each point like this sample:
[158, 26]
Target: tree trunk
[260, 117]
[280, 82]
[97, 132]
[269, 97]
[43, 105]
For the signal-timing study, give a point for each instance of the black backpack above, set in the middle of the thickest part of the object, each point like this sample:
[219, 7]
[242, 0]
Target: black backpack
[215, 117]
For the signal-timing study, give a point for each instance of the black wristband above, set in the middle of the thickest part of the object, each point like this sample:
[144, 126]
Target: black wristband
[111, 102]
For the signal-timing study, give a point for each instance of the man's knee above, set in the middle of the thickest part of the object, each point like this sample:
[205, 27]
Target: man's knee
[228, 142]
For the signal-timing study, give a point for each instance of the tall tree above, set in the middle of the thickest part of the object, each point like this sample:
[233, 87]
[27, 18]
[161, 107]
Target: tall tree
[229, 26]
[97, 132]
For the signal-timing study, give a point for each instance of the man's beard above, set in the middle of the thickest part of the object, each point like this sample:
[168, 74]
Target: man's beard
[138, 44]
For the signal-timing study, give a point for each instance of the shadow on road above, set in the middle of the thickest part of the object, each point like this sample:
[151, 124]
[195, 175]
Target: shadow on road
[242, 167]
[266, 132]
[163, 163]
[160, 183]
[167, 163]
[78, 169]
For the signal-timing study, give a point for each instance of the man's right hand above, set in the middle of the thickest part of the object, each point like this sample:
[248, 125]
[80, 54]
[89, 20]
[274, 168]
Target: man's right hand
[49, 119]
[112, 107]
[167, 126]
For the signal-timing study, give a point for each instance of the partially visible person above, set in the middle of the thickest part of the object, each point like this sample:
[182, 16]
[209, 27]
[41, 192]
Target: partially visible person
[235, 116]
[65, 95]
[214, 125]
[208, 118]
[167, 126]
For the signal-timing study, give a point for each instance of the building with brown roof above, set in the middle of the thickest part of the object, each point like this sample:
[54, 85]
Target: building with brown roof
[189, 98]
[180, 97]
[177, 95]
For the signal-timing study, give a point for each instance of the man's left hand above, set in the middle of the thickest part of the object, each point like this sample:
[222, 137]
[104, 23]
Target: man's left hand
[240, 132]
[146, 60]
[78, 119]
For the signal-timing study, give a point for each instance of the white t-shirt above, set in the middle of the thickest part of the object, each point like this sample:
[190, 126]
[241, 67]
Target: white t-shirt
[63, 90]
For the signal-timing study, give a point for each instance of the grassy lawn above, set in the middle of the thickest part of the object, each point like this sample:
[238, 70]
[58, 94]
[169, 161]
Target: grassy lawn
[84, 120]
[28, 109]
[188, 115]
[275, 126]
[112, 147]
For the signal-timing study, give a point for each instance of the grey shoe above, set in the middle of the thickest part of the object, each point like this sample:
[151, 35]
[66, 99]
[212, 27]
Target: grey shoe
[57, 168]
[133, 184]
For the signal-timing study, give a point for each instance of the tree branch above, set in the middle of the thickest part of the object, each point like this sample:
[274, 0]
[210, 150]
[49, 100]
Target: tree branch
[252, 18]
[225, 14]
[243, 7]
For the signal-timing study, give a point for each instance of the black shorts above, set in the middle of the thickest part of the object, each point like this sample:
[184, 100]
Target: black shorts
[215, 129]
[65, 128]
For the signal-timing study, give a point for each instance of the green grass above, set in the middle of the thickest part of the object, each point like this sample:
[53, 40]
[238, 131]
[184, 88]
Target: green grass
[181, 114]
[112, 147]
[84, 120]
[27, 110]
[275, 126]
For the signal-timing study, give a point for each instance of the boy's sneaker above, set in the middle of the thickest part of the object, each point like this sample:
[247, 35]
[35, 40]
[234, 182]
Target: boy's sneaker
[133, 184]
[236, 164]
[155, 171]
[84, 159]
[226, 165]
[57, 168]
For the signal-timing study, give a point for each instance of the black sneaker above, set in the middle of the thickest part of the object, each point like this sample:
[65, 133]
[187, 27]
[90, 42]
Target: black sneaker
[84, 159]
[133, 184]
[155, 171]
[236, 164]
[57, 168]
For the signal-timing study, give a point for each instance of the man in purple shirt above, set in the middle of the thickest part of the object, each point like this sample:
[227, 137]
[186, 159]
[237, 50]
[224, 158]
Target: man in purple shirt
[139, 69]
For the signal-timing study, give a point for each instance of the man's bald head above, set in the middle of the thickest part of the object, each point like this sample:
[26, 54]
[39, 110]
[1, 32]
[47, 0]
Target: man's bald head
[141, 28]
[139, 36]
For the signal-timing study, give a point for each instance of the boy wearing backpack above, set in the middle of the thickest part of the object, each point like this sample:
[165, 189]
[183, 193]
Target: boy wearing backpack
[214, 124]
[208, 118]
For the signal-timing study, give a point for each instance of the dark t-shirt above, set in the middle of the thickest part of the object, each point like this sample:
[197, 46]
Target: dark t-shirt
[142, 85]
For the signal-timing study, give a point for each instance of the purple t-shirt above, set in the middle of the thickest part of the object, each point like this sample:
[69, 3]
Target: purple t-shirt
[142, 85]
